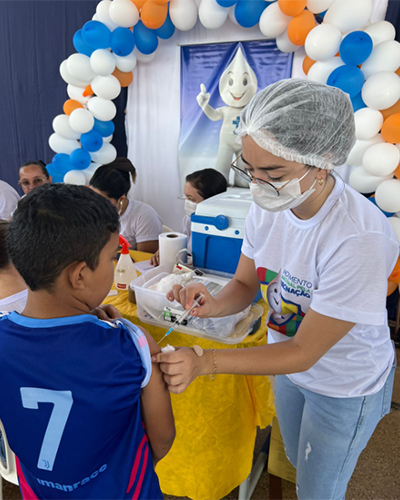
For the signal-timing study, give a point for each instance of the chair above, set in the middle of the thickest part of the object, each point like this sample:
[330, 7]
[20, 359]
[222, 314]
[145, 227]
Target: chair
[8, 469]
[166, 229]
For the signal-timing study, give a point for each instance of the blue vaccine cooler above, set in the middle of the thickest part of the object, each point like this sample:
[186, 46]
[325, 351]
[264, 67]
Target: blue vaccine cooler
[218, 230]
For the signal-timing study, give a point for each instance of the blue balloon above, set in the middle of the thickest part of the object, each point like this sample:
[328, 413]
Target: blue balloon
[388, 214]
[81, 46]
[355, 48]
[91, 141]
[96, 35]
[61, 162]
[226, 3]
[104, 128]
[348, 78]
[166, 30]
[80, 159]
[248, 12]
[55, 175]
[122, 41]
[146, 39]
[357, 102]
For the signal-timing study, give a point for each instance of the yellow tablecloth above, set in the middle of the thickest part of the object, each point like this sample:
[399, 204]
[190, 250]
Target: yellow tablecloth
[215, 421]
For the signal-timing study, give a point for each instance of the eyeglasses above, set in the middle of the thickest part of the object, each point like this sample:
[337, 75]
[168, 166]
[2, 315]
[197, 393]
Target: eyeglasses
[37, 181]
[249, 178]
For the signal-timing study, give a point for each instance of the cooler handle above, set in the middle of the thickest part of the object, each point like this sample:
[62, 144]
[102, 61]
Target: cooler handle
[221, 222]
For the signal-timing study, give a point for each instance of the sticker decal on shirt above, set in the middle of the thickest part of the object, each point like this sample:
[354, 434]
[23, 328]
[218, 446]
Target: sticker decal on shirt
[284, 316]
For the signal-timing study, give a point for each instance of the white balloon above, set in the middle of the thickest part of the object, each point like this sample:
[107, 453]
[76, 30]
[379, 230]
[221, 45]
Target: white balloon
[78, 66]
[102, 109]
[102, 62]
[363, 182]
[108, 139]
[381, 90]
[90, 171]
[106, 87]
[95, 17]
[384, 57]
[183, 14]
[76, 93]
[81, 120]
[231, 15]
[61, 145]
[395, 221]
[318, 6]
[124, 13]
[360, 147]
[62, 127]
[320, 71]
[323, 42]
[382, 31]
[103, 14]
[273, 22]
[387, 195]
[127, 63]
[76, 82]
[212, 16]
[105, 155]
[381, 159]
[284, 44]
[144, 58]
[349, 15]
[368, 123]
[75, 177]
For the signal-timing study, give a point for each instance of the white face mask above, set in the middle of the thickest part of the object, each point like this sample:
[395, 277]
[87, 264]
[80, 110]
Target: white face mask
[290, 196]
[190, 207]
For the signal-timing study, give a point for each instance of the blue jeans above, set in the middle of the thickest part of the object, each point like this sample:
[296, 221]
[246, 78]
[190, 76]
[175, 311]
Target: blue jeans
[324, 436]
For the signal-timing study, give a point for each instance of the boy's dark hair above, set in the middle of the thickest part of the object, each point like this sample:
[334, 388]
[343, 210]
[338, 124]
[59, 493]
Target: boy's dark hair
[113, 179]
[39, 164]
[56, 225]
[208, 182]
[4, 257]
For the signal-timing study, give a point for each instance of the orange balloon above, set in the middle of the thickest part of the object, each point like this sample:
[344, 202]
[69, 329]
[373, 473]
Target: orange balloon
[391, 111]
[153, 15]
[71, 105]
[391, 129]
[88, 91]
[125, 79]
[395, 276]
[139, 3]
[397, 71]
[396, 173]
[160, 2]
[300, 26]
[391, 287]
[292, 7]
[307, 63]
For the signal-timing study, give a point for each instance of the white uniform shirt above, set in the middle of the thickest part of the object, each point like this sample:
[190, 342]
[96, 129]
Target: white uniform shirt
[8, 200]
[14, 302]
[140, 222]
[337, 263]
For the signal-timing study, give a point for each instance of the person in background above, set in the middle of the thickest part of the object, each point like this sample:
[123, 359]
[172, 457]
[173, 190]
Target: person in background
[33, 174]
[112, 417]
[8, 200]
[322, 254]
[140, 223]
[13, 289]
[199, 186]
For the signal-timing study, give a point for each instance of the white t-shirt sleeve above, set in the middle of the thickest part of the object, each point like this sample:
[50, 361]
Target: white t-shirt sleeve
[148, 225]
[248, 240]
[8, 203]
[353, 281]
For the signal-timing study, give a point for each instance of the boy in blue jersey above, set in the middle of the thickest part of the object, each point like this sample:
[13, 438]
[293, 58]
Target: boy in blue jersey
[85, 413]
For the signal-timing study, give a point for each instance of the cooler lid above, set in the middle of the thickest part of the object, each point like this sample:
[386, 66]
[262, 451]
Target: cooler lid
[234, 203]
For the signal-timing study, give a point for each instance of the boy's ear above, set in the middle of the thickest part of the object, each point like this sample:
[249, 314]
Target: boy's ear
[76, 275]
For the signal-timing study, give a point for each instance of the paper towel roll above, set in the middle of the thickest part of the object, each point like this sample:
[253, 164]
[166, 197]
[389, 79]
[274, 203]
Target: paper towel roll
[169, 246]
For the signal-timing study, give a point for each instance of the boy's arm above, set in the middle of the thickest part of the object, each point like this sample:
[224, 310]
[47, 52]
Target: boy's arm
[156, 409]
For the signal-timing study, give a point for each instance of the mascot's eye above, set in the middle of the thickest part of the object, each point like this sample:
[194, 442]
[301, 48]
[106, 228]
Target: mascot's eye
[245, 82]
[230, 82]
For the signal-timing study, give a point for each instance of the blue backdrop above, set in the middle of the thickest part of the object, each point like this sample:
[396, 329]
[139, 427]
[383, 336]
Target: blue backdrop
[35, 37]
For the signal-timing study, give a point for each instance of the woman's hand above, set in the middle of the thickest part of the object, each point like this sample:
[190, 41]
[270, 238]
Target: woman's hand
[106, 312]
[155, 259]
[186, 295]
[182, 366]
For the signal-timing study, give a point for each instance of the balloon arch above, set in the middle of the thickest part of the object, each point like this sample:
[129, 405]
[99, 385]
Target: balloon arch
[342, 48]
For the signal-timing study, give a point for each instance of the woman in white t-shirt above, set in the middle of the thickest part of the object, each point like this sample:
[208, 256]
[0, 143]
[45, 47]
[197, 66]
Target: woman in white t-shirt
[140, 223]
[322, 254]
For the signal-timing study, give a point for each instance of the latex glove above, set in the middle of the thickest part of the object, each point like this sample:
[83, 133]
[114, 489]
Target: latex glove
[186, 295]
[204, 97]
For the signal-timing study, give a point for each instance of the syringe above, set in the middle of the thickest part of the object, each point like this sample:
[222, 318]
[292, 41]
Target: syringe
[183, 316]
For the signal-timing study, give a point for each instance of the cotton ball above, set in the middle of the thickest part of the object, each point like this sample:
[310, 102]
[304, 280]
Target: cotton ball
[168, 348]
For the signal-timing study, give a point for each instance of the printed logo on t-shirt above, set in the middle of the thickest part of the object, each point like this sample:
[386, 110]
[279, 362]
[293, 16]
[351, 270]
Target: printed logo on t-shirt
[284, 315]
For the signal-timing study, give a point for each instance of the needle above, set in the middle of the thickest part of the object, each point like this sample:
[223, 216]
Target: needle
[183, 316]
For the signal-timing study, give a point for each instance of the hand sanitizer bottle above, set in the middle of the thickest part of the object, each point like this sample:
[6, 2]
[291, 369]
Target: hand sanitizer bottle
[125, 271]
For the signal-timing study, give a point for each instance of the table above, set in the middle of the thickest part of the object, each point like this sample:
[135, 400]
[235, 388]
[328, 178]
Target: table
[216, 420]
